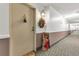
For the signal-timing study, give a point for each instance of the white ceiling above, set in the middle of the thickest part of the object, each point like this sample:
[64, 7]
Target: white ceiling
[63, 8]
[66, 8]
[40, 6]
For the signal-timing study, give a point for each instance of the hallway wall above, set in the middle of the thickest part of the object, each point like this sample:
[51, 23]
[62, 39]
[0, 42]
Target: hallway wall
[4, 19]
[56, 26]
[55, 22]
[4, 29]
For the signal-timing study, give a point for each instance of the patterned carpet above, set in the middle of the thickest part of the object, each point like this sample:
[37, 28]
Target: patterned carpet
[66, 47]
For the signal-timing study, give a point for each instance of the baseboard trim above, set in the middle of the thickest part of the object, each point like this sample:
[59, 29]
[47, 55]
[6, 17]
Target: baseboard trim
[31, 53]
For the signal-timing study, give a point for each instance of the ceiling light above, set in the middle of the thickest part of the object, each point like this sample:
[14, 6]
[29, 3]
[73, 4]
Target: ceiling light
[71, 15]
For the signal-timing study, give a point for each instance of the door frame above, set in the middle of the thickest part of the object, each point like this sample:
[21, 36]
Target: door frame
[33, 25]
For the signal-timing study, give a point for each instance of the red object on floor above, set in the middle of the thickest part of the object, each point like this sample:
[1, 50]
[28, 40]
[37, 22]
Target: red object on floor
[46, 46]
[45, 41]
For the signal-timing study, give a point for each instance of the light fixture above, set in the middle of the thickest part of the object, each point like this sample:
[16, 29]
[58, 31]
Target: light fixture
[43, 13]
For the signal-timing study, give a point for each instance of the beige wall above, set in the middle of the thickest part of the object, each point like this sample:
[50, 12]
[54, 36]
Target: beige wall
[22, 36]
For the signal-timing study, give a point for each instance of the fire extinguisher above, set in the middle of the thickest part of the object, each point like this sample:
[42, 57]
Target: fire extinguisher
[45, 42]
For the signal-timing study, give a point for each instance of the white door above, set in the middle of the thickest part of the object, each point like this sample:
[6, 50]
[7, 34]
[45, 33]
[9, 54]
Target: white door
[22, 35]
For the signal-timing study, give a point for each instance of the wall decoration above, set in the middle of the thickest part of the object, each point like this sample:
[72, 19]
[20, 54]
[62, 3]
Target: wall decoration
[41, 22]
[24, 19]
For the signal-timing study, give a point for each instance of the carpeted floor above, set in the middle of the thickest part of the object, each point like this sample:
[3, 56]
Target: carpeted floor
[66, 47]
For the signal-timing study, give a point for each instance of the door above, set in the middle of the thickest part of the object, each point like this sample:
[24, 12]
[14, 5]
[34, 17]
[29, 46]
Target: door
[22, 33]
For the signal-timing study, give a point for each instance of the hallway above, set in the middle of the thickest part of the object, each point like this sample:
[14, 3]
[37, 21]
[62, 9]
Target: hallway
[66, 47]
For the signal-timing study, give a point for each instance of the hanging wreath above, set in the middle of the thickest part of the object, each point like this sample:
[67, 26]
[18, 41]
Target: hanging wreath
[41, 23]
